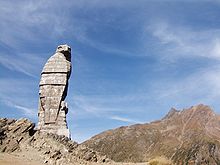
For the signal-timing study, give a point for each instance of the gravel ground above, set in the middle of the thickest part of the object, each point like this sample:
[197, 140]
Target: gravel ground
[21, 159]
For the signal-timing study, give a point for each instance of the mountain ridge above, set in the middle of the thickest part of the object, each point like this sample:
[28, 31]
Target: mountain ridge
[189, 133]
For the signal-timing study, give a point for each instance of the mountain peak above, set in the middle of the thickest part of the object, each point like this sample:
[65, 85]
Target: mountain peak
[200, 110]
[201, 106]
[184, 136]
[171, 113]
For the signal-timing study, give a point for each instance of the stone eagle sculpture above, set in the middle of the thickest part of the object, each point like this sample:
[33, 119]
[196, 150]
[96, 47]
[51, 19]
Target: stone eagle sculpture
[53, 91]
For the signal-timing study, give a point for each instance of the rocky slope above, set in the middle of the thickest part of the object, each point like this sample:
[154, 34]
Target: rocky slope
[19, 136]
[190, 136]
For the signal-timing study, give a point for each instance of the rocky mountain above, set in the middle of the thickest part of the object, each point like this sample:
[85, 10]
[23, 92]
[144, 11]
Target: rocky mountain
[190, 136]
[19, 136]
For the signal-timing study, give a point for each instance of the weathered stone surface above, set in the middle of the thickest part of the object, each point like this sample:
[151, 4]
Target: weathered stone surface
[53, 91]
[19, 136]
[13, 132]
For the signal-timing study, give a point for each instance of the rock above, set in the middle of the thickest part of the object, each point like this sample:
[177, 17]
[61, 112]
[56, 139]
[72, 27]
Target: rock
[13, 133]
[56, 154]
[53, 91]
[19, 136]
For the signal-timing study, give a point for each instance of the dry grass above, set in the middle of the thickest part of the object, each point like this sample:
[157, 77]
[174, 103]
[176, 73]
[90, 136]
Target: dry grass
[160, 161]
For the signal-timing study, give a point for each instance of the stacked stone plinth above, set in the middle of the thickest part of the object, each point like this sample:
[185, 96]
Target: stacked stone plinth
[53, 91]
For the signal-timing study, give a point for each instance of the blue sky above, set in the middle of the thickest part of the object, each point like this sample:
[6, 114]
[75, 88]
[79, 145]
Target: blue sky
[132, 60]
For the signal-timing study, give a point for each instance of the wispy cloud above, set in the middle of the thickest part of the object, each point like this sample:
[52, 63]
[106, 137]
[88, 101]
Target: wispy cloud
[178, 42]
[27, 20]
[22, 63]
[26, 27]
[84, 105]
[16, 93]
[181, 41]
[198, 87]
[43, 22]
[127, 120]
[26, 111]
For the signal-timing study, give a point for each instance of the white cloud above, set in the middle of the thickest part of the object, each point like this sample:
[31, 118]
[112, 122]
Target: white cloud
[202, 86]
[22, 63]
[44, 21]
[31, 22]
[92, 105]
[178, 42]
[26, 111]
[87, 106]
[216, 48]
[30, 112]
[19, 94]
[127, 120]
[25, 25]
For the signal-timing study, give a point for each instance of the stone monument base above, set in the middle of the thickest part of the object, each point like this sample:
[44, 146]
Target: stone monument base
[58, 131]
[59, 127]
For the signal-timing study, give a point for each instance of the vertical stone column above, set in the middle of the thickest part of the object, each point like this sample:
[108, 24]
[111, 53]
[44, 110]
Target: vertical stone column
[53, 91]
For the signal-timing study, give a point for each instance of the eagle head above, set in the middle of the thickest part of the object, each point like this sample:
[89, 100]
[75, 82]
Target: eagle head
[64, 49]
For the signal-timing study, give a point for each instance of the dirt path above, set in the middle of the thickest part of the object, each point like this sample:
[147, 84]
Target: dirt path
[18, 159]
[8, 159]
